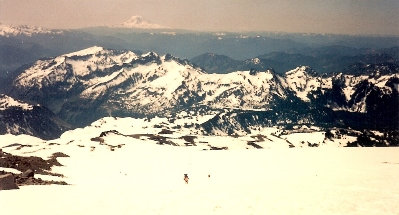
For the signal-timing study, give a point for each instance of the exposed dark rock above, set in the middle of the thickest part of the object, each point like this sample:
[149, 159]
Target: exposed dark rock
[36, 164]
[252, 143]
[105, 133]
[189, 140]
[97, 139]
[29, 166]
[7, 182]
[28, 174]
[37, 121]
[218, 148]
[165, 131]
[21, 181]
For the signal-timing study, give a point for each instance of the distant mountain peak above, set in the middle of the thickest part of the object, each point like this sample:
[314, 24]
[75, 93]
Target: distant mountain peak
[139, 22]
[301, 70]
[303, 80]
[26, 30]
[255, 60]
[88, 51]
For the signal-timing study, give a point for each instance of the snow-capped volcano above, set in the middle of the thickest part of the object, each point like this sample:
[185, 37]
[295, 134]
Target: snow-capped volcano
[139, 22]
[12, 30]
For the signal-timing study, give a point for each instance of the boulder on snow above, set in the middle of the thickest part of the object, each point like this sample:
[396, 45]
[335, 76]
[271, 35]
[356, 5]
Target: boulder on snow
[7, 182]
[28, 174]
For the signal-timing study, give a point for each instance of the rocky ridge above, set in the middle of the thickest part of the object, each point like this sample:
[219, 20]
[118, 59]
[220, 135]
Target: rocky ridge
[84, 86]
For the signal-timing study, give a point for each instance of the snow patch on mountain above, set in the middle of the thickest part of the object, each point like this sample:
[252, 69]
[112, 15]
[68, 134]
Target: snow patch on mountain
[357, 89]
[350, 81]
[7, 102]
[303, 81]
[242, 89]
[171, 79]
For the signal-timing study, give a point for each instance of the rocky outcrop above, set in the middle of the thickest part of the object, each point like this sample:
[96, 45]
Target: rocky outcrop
[7, 182]
[18, 117]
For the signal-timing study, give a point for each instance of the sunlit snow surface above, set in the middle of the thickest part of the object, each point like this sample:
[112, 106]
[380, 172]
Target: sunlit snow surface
[142, 177]
[6, 102]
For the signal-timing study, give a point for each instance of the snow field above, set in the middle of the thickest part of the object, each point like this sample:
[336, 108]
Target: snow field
[142, 177]
[148, 179]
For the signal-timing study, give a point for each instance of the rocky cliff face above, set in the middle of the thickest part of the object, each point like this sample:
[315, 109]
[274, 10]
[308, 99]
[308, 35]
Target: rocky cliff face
[17, 117]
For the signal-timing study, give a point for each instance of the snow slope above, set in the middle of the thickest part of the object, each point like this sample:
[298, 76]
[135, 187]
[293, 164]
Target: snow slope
[82, 63]
[136, 165]
[145, 178]
[302, 81]
[241, 89]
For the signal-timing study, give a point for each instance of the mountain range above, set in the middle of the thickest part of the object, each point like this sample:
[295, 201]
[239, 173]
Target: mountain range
[243, 81]
[328, 59]
[89, 84]
[139, 111]
[21, 45]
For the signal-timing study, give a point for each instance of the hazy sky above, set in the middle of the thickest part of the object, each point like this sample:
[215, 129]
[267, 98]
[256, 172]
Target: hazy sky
[316, 16]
